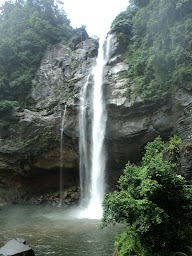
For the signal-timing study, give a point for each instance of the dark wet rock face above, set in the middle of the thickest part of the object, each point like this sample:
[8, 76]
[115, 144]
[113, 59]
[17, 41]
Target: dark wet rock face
[30, 145]
[184, 129]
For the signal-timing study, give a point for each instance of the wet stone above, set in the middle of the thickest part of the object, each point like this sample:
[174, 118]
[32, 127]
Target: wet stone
[16, 247]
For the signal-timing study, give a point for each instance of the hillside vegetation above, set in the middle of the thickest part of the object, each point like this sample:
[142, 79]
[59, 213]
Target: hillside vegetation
[156, 39]
[27, 28]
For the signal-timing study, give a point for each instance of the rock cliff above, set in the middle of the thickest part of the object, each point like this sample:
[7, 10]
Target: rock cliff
[30, 145]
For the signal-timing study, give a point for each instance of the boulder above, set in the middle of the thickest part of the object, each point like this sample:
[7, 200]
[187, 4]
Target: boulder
[16, 247]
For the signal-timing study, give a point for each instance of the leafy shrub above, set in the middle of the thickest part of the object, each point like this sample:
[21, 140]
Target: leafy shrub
[154, 203]
[7, 105]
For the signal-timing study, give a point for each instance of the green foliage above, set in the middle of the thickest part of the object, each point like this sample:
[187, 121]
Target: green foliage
[3, 124]
[122, 26]
[7, 105]
[159, 45]
[154, 203]
[139, 3]
[27, 28]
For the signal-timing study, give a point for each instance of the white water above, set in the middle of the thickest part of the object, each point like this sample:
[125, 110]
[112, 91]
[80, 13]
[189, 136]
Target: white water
[83, 144]
[96, 174]
[61, 153]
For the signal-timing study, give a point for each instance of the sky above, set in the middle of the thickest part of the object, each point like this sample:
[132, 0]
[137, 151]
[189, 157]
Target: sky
[96, 15]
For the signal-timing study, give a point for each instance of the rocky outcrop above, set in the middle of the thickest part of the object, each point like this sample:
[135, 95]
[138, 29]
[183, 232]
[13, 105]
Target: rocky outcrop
[16, 247]
[31, 143]
[184, 129]
[30, 147]
[133, 121]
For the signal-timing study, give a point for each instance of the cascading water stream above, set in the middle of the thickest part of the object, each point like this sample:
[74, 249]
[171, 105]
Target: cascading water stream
[61, 154]
[95, 174]
[83, 144]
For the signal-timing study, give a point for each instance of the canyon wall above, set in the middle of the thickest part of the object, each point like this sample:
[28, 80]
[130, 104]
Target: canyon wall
[30, 145]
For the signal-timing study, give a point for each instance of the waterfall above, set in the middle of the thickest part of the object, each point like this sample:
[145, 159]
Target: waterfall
[61, 153]
[94, 173]
[83, 145]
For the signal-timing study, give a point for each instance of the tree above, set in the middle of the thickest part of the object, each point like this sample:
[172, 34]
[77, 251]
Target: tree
[158, 45]
[154, 203]
[122, 26]
[139, 3]
[27, 28]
